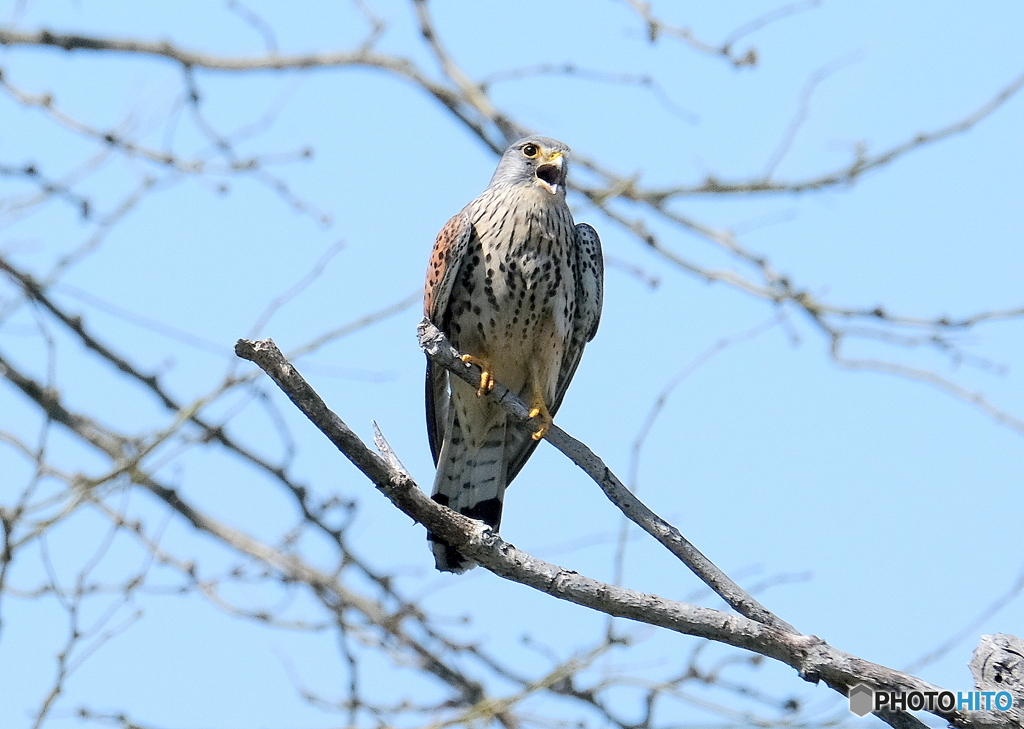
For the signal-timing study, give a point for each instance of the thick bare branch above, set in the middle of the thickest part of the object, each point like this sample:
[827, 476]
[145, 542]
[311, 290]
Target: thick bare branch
[810, 656]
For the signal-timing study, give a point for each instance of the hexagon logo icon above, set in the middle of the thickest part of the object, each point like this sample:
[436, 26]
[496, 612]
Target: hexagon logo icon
[862, 698]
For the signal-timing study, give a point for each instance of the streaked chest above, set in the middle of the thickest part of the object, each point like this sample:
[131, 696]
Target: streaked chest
[525, 247]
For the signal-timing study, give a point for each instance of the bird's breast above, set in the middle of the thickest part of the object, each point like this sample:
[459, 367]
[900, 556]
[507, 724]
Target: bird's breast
[517, 283]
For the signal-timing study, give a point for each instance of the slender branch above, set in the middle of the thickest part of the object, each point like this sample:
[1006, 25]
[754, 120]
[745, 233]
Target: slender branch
[964, 394]
[655, 28]
[440, 351]
[364, 56]
[469, 103]
[652, 416]
[862, 162]
[810, 656]
[271, 61]
[332, 591]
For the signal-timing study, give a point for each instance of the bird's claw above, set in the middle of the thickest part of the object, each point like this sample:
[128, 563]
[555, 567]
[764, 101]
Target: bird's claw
[540, 410]
[486, 378]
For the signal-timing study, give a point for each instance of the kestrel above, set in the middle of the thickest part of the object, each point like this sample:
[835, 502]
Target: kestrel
[517, 287]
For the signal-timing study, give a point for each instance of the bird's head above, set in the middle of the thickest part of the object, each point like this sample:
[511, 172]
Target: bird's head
[536, 162]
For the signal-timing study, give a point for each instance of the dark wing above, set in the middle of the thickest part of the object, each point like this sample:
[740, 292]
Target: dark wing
[445, 263]
[589, 300]
[590, 284]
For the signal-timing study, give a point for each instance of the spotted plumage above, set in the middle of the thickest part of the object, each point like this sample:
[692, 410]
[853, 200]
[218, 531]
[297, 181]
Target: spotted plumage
[517, 287]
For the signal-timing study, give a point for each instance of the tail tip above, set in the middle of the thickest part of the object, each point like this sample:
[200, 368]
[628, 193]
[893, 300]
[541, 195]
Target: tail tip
[449, 559]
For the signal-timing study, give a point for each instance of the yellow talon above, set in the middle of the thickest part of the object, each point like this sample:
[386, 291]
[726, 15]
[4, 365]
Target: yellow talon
[540, 410]
[486, 378]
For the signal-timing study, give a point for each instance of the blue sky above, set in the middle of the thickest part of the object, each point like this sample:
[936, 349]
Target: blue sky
[885, 498]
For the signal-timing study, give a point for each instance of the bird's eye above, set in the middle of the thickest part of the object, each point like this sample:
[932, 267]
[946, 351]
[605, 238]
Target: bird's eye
[530, 150]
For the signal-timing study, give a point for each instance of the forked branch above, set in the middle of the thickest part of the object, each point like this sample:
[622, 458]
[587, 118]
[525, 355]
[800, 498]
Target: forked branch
[810, 656]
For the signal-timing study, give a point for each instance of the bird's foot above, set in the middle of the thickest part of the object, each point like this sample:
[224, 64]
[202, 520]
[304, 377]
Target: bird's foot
[486, 378]
[539, 410]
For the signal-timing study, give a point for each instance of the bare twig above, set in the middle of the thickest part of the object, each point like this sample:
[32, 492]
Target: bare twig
[652, 416]
[468, 101]
[331, 591]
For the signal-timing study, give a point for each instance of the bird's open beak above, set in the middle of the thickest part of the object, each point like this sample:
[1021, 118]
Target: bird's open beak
[551, 174]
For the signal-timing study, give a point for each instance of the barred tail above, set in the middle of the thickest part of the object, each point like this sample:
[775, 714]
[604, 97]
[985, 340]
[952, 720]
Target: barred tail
[471, 479]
